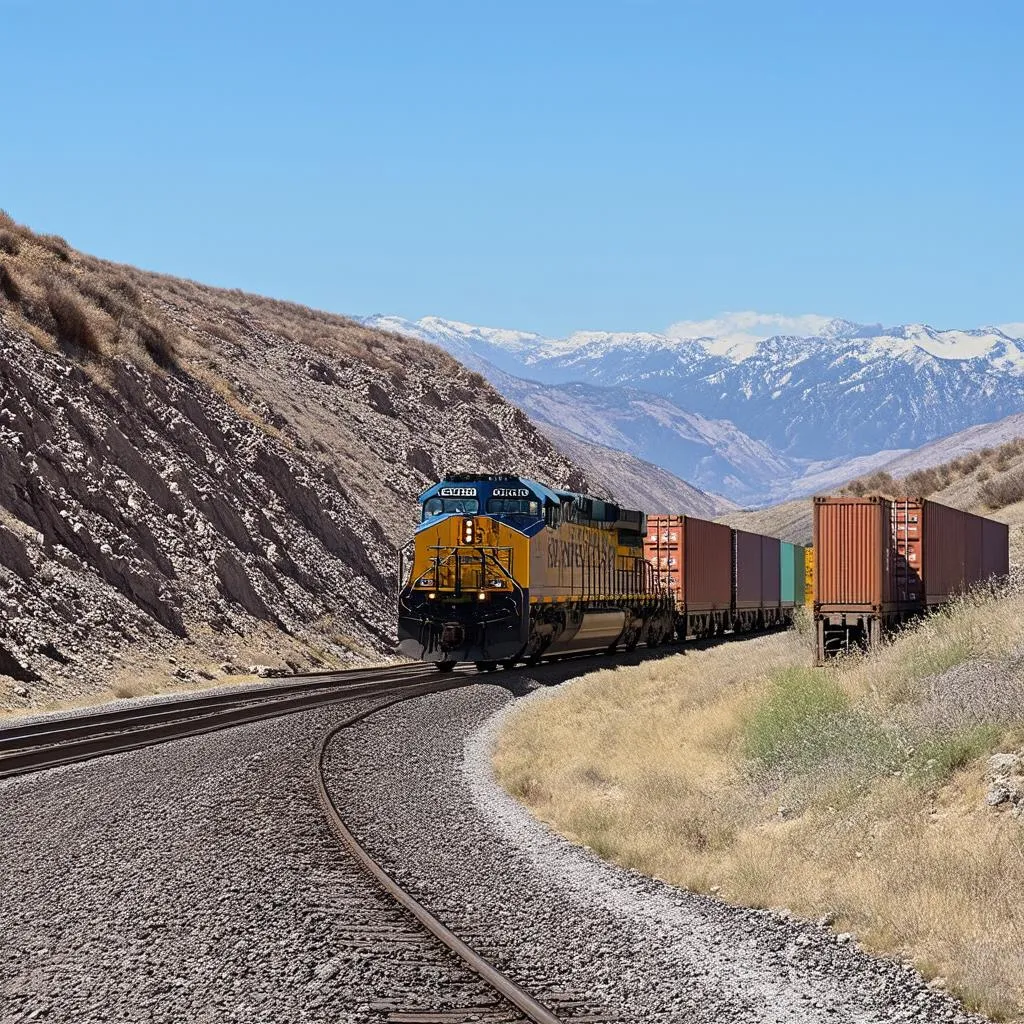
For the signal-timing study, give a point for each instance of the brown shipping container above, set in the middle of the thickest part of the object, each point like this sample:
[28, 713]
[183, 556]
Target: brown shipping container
[955, 555]
[747, 567]
[873, 555]
[771, 572]
[692, 559]
[995, 549]
[852, 560]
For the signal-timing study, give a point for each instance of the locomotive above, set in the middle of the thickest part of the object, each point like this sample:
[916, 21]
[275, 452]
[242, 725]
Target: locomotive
[507, 569]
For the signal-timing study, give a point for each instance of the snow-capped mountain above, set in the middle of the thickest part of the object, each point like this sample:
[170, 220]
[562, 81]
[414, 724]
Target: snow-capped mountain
[790, 403]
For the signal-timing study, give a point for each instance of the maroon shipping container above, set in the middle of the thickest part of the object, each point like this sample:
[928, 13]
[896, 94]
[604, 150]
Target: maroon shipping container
[995, 549]
[771, 572]
[748, 570]
[954, 556]
[692, 559]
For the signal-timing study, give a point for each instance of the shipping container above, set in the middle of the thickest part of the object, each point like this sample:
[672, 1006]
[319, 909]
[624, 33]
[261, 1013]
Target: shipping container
[771, 572]
[809, 575]
[800, 572]
[692, 559]
[995, 549]
[791, 577]
[853, 555]
[787, 574]
[747, 571]
[955, 556]
[878, 562]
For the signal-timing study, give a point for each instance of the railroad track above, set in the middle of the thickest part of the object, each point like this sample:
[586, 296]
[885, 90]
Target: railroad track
[496, 996]
[53, 742]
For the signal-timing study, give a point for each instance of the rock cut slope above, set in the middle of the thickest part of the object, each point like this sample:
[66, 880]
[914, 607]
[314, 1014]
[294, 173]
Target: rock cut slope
[194, 479]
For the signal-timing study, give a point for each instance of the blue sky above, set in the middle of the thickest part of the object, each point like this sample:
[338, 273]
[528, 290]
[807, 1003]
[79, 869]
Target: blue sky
[546, 166]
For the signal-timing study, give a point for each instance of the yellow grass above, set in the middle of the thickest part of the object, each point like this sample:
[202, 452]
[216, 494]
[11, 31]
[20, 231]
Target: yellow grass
[856, 792]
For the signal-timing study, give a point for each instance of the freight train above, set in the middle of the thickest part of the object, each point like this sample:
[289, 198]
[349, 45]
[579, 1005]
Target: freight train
[879, 562]
[506, 569]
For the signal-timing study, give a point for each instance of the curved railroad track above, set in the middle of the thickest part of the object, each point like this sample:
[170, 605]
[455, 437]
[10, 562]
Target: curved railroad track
[525, 1006]
[52, 742]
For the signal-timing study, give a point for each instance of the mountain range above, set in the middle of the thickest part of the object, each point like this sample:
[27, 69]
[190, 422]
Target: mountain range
[751, 415]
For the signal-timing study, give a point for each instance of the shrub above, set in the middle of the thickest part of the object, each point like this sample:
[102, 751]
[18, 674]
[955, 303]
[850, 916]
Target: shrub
[74, 327]
[220, 331]
[57, 245]
[9, 286]
[793, 725]
[922, 482]
[158, 339]
[10, 243]
[1003, 490]
[111, 303]
[937, 758]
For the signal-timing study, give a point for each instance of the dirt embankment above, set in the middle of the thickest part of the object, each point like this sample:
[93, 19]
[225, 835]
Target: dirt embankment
[193, 481]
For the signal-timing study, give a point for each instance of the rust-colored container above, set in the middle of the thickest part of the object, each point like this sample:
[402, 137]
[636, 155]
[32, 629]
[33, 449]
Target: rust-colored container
[692, 559]
[748, 580]
[771, 572]
[853, 555]
[873, 555]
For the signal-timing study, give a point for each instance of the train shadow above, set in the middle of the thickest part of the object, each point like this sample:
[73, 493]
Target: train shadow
[526, 679]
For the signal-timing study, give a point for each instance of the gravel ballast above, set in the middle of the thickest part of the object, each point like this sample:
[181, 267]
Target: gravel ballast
[415, 783]
[198, 881]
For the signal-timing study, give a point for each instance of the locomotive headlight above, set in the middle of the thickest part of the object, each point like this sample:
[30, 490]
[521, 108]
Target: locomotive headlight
[431, 596]
[468, 531]
[481, 596]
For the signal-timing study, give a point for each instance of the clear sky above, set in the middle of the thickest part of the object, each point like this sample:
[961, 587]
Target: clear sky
[547, 166]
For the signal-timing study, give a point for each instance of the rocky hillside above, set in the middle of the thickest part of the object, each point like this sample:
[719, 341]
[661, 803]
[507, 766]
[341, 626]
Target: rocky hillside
[195, 481]
[632, 481]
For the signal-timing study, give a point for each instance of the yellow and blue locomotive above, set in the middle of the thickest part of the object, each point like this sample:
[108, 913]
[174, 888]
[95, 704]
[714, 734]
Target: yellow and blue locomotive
[505, 569]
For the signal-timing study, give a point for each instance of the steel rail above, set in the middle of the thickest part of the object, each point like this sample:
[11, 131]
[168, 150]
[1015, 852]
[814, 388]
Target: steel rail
[53, 727]
[501, 983]
[71, 751]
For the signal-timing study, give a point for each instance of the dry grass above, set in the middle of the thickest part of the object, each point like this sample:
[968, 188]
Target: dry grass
[855, 791]
[84, 307]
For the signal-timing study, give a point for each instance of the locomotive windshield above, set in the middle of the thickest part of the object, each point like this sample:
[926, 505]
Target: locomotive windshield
[460, 506]
[513, 507]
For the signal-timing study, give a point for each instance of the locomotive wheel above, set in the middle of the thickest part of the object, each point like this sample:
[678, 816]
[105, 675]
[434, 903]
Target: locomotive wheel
[509, 663]
[486, 666]
[533, 659]
[445, 666]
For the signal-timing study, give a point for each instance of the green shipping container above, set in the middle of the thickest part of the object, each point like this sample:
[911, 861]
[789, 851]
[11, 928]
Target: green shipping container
[799, 572]
[791, 574]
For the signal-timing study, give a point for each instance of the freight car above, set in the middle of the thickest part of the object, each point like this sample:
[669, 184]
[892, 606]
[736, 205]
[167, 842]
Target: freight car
[506, 569]
[879, 562]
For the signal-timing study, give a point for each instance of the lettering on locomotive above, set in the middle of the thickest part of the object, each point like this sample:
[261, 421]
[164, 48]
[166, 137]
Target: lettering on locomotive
[457, 492]
[582, 547]
[510, 492]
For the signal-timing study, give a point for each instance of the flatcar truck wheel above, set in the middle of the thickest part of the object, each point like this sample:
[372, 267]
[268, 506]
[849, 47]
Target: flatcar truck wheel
[445, 666]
